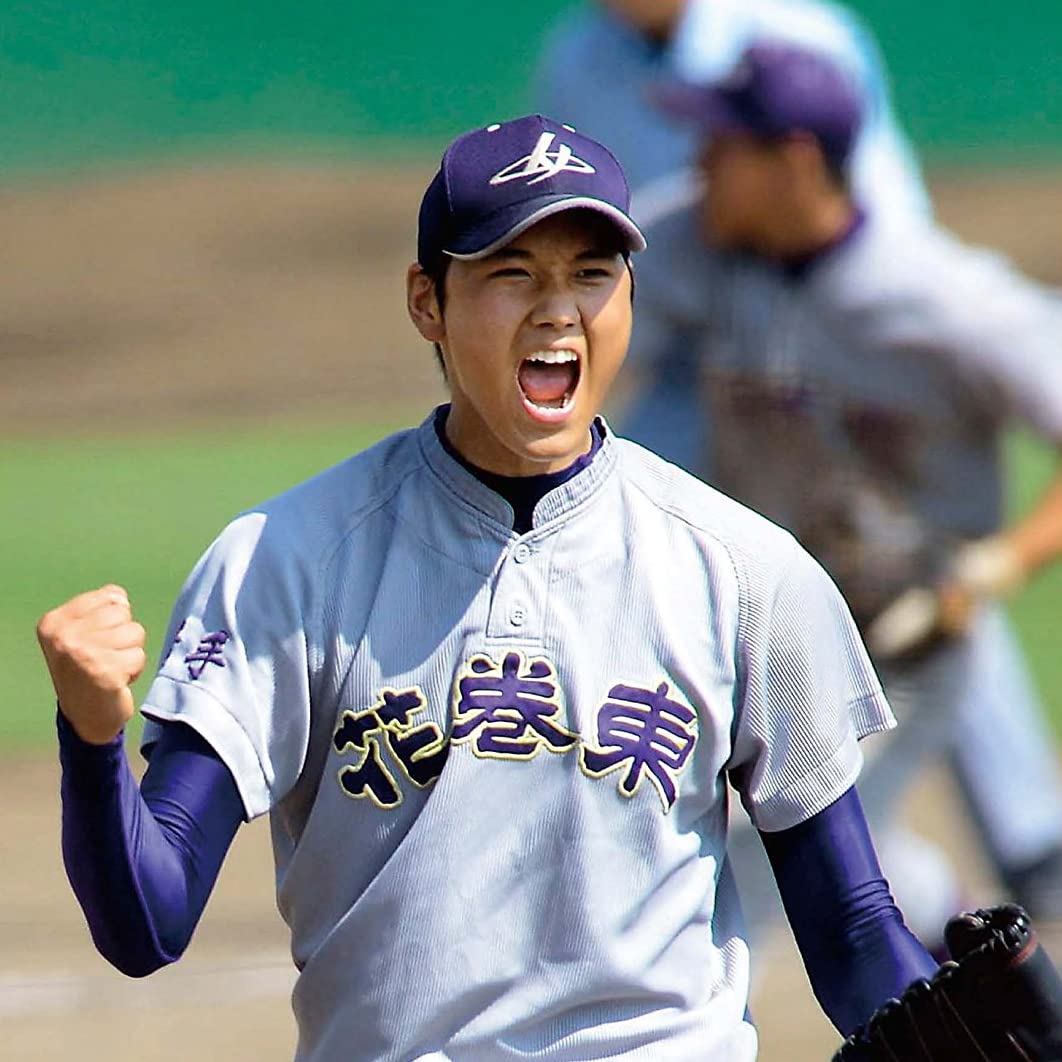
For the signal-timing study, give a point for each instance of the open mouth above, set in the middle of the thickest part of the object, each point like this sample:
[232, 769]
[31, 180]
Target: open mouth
[548, 379]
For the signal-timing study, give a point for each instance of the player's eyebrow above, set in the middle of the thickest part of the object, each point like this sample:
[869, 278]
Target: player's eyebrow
[508, 252]
[601, 251]
[520, 254]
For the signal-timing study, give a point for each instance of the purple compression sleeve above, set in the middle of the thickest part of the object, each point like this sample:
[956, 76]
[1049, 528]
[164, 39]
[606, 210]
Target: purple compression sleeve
[142, 861]
[856, 948]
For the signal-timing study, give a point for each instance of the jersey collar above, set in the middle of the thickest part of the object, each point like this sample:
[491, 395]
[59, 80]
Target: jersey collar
[557, 503]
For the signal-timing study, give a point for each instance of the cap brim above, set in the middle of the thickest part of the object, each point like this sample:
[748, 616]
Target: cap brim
[505, 225]
[709, 108]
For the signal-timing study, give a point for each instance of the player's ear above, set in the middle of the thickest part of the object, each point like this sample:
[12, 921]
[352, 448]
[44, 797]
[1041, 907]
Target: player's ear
[422, 302]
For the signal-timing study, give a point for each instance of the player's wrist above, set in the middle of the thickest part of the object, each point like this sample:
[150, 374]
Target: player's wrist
[94, 733]
[989, 568]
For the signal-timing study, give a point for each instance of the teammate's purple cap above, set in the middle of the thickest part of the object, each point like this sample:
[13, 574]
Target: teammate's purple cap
[775, 90]
[498, 181]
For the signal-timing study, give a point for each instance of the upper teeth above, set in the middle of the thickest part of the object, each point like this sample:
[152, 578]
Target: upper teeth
[553, 357]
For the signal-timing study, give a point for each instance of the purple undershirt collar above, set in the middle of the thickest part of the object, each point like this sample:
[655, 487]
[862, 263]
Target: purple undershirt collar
[522, 493]
[799, 267]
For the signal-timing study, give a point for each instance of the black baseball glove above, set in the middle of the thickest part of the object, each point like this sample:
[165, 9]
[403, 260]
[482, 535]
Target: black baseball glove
[999, 1000]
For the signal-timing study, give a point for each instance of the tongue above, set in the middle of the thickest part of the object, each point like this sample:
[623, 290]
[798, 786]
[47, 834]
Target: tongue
[546, 384]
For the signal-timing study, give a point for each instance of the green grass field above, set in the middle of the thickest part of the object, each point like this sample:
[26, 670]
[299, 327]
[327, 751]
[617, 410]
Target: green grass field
[78, 512]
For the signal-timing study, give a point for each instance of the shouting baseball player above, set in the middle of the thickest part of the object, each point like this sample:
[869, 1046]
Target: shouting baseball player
[490, 678]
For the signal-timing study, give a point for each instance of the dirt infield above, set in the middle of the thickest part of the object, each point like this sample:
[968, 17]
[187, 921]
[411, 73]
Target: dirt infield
[236, 292]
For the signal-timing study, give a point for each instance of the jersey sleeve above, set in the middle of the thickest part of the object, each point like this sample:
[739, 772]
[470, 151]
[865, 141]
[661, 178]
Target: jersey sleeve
[236, 664]
[808, 693]
[1012, 345]
[998, 331]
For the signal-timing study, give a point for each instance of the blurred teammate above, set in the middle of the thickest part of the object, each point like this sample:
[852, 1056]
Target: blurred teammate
[491, 679]
[865, 413]
[600, 67]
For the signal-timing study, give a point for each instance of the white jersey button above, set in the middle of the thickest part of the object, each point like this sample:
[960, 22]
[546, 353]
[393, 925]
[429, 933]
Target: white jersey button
[522, 552]
[518, 615]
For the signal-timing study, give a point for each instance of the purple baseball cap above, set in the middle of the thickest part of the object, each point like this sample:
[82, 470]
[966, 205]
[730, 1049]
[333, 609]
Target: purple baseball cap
[496, 182]
[775, 90]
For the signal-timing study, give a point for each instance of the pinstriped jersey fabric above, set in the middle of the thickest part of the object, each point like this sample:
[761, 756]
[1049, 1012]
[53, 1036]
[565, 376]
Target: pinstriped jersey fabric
[496, 765]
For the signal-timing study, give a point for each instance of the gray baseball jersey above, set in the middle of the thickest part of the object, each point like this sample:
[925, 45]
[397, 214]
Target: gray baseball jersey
[496, 764]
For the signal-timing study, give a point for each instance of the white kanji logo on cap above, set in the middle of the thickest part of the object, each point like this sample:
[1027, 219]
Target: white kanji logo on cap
[543, 163]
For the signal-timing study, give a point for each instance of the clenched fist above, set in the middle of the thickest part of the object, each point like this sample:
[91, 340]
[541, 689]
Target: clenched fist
[95, 651]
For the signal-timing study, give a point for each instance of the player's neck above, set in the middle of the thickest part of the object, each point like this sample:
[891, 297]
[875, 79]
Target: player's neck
[814, 232]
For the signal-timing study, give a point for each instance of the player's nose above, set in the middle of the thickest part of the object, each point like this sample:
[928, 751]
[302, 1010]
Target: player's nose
[556, 307]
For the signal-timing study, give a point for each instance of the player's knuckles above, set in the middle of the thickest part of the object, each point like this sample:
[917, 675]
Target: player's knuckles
[47, 628]
[109, 595]
[109, 614]
[136, 664]
[82, 656]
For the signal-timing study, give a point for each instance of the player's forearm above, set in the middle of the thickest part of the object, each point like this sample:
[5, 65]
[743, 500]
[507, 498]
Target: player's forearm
[852, 938]
[995, 566]
[142, 862]
[1037, 537]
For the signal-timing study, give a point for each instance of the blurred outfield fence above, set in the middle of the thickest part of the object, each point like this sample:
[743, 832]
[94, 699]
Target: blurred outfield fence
[87, 81]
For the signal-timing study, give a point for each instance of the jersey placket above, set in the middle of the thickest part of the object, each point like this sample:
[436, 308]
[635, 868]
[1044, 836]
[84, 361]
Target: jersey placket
[518, 602]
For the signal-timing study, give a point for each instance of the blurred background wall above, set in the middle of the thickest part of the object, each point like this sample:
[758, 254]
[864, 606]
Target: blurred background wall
[98, 80]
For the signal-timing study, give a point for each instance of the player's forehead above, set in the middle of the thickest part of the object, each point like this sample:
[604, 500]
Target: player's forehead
[651, 16]
[740, 144]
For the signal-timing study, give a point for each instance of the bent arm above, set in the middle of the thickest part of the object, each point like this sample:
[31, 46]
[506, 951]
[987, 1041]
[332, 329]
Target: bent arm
[143, 860]
[996, 565]
[856, 948]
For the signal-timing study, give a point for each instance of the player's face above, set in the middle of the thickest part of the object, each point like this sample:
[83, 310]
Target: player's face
[747, 185]
[532, 338]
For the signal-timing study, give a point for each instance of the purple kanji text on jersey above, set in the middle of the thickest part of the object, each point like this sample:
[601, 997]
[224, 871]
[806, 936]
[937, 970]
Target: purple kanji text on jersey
[209, 651]
[649, 731]
[512, 710]
[420, 751]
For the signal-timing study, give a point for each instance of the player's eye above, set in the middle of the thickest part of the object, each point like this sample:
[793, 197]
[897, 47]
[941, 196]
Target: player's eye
[509, 272]
[593, 274]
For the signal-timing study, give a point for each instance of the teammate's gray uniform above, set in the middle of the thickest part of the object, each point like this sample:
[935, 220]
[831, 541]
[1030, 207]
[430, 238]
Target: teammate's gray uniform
[496, 764]
[866, 401]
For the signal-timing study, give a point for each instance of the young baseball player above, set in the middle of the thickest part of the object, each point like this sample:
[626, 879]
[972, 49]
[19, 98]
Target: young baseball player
[490, 678]
[874, 394]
